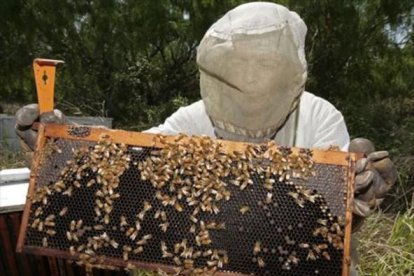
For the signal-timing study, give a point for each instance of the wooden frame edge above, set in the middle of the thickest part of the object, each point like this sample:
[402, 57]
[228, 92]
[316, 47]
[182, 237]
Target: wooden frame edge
[147, 139]
[348, 219]
[41, 139]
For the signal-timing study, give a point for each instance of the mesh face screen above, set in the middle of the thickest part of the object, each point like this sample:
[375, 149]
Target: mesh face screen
[191, 205]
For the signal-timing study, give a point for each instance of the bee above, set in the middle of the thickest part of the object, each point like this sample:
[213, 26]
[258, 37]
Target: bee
[76, 184]
[69, 191]
[341, 221]
[99, 203]
[138, 250]
[260, 262]
[72, 250]
[163, 216]
[178, 207]
[220, 263]
[304, 245]
[269, 198]
[163, 246]
[90, 183]
[293, 259]
[127, 248]
[130, 231]
[322, 221]
[98, 227]
[79, 224]
[207, 253]
[49, 223]
[197, 254]
[75, 237]
[35, 223]
[336, 228]
[311, 256]
[40, 226]
[130, 267]
[211, 225]
[63, 211]
[316, 249]
[98, 211]
[244, 209]
[320, 231]
[59, 186]
[44, 242]
[147, 237]
[322, 246]
[244, 185]
[177, 260]
[51, 232]
[212, 263]
[141, 215]
[138, 225]
[147, 206]
[134, 235]
[257, 247]
[107, 208]
[187, 252]
[123, 221]
[188, 264]
[221, 226]
[142, 242]
[326, 255]
[193, 219]
[106, 219]
[166, 254]
[164, 226]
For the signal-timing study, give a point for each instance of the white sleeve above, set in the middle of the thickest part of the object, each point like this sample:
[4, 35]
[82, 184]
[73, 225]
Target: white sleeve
[173, 125]
[320, 124]
[329, 126]
[190, 120]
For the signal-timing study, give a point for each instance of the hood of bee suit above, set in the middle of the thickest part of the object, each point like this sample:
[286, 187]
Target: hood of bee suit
[252, 70]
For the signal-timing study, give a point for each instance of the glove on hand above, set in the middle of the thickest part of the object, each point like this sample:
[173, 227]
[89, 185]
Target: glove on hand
[375, 175]
[25, 117]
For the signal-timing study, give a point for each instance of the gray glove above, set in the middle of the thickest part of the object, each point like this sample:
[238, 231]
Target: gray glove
[375, 175]
[25, 117]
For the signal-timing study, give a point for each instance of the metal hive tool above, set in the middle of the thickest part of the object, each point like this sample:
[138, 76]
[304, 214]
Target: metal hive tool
[194, 206]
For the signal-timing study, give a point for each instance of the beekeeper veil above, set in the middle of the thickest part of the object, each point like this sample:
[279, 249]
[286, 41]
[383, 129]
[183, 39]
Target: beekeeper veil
[252, 70]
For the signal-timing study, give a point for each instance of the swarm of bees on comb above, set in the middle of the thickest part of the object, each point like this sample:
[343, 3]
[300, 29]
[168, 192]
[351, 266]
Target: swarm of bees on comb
[195, 179]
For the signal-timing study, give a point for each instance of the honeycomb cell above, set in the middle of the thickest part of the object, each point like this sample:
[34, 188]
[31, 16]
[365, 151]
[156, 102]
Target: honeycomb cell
[147, 204]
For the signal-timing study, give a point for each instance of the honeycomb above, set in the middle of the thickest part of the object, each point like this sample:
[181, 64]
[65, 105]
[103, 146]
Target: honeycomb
[187, 206]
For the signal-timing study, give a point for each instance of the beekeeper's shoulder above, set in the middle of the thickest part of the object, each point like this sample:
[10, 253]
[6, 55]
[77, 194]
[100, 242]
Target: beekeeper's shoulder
[317, 106]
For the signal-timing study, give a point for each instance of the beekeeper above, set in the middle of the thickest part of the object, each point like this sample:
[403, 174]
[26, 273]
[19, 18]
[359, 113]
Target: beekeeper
[252, 80]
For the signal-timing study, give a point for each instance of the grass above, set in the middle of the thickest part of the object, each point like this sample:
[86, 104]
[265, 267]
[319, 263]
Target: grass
[11, 160]
[386, 244]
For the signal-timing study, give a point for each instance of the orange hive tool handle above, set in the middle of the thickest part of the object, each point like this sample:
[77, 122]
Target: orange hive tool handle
[44, 71]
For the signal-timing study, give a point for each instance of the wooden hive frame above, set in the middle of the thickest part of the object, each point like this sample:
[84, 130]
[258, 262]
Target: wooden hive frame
[93, 134]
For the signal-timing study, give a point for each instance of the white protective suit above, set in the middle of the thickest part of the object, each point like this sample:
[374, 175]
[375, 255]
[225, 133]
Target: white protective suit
[252, 77]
